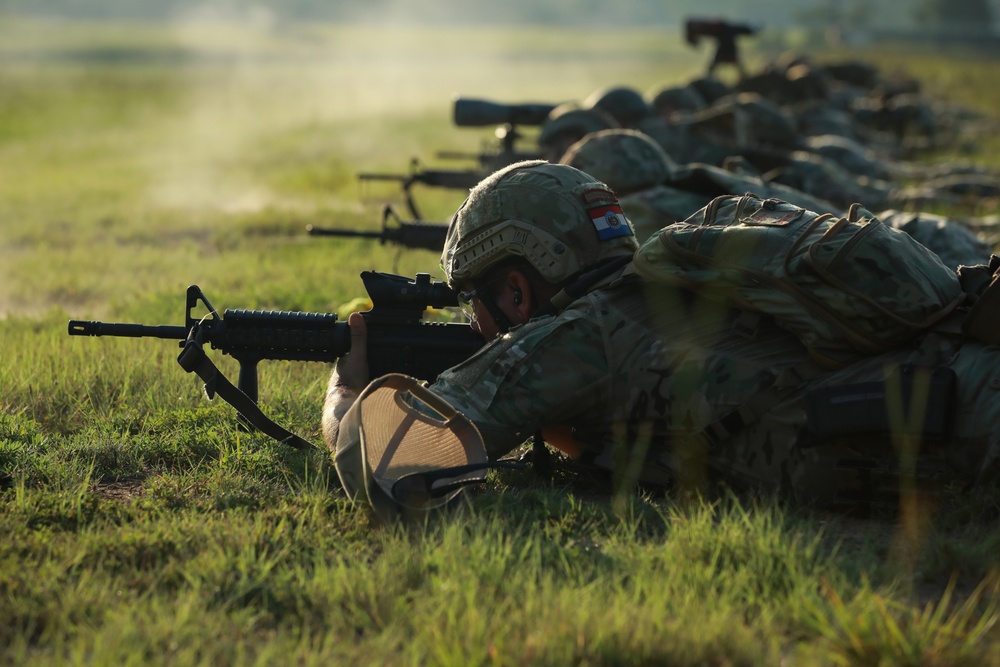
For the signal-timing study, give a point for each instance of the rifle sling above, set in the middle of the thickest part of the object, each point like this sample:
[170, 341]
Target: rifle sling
[194, 360]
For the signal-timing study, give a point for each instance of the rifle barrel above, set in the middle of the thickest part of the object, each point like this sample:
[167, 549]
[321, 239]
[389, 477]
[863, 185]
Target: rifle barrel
[94, 328]
[460, 155]
[458, 179]
[442, 178]
[330, 231]
[426, 235]
[369, 176]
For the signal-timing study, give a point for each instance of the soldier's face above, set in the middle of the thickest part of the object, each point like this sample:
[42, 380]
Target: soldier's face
[477, 313]
[480, 317]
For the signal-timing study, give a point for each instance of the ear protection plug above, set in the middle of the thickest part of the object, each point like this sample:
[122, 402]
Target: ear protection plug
[518, 297]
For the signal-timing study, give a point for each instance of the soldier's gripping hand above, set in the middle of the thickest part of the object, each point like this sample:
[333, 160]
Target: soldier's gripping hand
[352, 368]
[349, 378]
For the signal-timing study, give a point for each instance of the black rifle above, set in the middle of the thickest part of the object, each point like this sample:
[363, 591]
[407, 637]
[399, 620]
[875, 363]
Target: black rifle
[399, 341]
[464, 179]
[408, 234]
[489, 159]
[478, 113]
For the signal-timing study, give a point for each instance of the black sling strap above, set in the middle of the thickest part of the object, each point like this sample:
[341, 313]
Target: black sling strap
[194, 360]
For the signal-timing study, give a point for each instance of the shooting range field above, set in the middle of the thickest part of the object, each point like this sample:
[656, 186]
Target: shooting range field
[139, 524]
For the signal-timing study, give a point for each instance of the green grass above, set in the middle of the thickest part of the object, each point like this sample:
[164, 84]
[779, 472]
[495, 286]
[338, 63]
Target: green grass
[140, 525]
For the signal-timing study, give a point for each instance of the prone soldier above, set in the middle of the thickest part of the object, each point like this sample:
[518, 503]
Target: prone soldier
[653, 384]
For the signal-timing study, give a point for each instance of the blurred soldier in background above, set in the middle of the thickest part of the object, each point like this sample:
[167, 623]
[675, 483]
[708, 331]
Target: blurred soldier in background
[568, 123]
[626, 105]
[656, 192]
[820, 136]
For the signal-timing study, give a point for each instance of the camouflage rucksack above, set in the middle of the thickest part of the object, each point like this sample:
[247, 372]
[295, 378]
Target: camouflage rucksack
[846, 287]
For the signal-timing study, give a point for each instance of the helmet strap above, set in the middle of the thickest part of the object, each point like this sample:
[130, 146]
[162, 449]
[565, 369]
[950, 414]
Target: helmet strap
[502, 321]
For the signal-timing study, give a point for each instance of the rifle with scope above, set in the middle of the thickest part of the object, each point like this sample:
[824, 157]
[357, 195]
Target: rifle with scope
[412, 234]
[399, 340]
[468, 112]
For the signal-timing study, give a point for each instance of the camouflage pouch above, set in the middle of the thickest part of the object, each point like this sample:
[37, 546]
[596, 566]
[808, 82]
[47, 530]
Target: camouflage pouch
[846, 287]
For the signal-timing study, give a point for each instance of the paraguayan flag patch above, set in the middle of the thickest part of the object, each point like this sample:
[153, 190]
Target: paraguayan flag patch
[609, 221]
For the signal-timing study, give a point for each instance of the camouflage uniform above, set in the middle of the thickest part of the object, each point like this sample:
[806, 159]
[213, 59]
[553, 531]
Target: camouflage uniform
[820, 177]
[850, 155]
[638, 369]
[653, 208]
[816, 118]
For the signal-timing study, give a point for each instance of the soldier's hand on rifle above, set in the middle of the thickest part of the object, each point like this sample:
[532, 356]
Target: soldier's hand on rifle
[349, 378]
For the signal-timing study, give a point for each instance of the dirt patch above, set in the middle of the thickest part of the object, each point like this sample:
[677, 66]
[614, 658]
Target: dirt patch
[121, 490]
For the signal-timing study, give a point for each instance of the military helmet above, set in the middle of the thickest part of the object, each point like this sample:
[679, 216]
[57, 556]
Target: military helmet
[625, 105]
[767, 122]
[710, 89]
[627, 160]
[556, 217]
[569, 119]
[676, 98]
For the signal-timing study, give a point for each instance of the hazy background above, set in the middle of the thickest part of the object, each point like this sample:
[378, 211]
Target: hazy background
[159, 140]
[877, 14]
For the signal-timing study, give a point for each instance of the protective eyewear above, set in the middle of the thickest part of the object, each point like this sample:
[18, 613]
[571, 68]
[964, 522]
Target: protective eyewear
[465, 298]
[465, 303]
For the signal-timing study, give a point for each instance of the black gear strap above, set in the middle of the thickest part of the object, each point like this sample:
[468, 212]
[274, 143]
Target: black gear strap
[194, 360]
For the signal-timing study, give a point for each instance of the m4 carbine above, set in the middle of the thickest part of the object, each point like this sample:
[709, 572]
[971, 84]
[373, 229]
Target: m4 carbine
[399, 340]
[408, 234]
